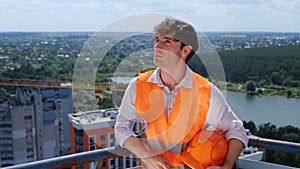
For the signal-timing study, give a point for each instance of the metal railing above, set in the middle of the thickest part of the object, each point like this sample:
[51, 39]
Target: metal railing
[270, 144]
[101, 154]
[74, 159]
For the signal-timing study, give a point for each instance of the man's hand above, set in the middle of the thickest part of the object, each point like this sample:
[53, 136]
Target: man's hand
[151, 160]
[156, 162]
[234, 150]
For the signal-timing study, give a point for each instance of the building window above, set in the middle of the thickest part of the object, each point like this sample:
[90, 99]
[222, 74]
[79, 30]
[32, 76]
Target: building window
[112, 144]
[28, 124]
[92, 139]
[30, 156]
[78, 140]
[120, 162]
[28, 137]
[7, 158]
[127, 162]
[92, 142]
[112, 135]
[112, 163]
[5, 126]
[104, 164]
[93, 147]
[111, 140]
[29, 143]
[27, 117]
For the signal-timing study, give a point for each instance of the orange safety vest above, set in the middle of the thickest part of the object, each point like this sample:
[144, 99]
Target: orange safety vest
[170, 136]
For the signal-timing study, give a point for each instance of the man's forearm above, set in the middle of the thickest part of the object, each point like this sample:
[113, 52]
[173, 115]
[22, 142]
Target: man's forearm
[136, 147]
[235, 147]
[150, 159]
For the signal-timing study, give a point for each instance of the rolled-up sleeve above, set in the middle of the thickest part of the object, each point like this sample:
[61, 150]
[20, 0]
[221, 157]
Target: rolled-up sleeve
[221, 117]
[127, 112]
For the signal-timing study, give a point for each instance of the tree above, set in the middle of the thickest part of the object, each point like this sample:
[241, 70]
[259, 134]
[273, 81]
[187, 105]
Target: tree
[262, 83]
[287, 133]
[293, 137]
[276, 78]
[27, 69]
[250, 87]
[106, 102]
[251, 126]
[267, 130]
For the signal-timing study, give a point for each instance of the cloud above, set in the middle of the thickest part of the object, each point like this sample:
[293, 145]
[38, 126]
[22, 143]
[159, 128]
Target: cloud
[92, 14]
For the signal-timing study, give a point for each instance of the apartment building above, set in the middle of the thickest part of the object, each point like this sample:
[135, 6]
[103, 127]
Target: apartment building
[95, 130]
[31, 125]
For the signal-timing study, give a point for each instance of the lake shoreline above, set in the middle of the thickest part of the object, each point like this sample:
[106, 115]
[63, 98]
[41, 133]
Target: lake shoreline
[264, 91]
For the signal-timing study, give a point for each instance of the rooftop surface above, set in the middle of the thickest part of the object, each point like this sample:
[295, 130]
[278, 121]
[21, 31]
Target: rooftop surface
[94, 119]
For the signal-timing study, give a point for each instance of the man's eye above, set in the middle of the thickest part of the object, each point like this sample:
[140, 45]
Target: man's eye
[167, 42]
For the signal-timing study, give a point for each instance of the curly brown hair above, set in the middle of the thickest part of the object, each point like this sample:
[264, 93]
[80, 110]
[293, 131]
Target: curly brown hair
[181, 31]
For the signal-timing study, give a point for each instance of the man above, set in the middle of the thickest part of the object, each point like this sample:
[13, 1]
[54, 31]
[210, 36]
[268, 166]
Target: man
[172, 105]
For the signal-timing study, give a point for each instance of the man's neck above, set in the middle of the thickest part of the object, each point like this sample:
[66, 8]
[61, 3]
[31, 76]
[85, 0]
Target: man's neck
[172, 76]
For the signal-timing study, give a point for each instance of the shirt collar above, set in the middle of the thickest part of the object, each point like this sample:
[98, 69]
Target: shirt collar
[186, 82]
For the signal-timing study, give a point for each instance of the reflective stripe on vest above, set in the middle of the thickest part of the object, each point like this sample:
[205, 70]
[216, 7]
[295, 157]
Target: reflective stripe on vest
[160, 146]
[170, 136]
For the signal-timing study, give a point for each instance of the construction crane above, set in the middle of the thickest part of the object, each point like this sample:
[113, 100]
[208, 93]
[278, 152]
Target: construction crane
[58, 83]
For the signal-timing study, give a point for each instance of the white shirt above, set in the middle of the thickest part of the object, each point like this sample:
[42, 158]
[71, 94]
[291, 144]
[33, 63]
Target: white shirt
[219, 116]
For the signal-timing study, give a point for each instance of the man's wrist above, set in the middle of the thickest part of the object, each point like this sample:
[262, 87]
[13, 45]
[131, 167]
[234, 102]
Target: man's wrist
[228, 165]
[146, 154]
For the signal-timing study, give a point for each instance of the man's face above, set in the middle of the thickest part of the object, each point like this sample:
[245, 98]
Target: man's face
[167, 51]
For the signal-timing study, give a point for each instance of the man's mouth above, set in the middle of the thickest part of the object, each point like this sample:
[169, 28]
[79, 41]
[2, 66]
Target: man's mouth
[157, 55]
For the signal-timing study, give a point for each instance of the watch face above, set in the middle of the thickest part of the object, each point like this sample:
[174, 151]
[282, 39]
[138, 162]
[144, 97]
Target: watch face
[138, 126]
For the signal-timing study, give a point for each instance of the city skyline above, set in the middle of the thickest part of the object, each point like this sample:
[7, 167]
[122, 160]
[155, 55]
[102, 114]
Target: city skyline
[207, 15]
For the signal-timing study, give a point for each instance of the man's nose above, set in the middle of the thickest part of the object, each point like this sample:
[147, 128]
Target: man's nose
[158, 45]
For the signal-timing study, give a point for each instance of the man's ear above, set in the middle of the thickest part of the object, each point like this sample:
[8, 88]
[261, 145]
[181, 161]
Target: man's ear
[186, 50]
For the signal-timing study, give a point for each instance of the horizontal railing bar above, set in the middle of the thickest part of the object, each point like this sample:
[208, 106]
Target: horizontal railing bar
[270, 144]
[90, 156]
[73, 159]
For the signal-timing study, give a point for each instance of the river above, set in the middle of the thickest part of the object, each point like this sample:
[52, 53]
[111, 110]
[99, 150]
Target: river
[277, 110]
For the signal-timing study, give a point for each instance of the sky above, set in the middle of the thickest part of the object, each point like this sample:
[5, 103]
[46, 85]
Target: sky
[206, 15]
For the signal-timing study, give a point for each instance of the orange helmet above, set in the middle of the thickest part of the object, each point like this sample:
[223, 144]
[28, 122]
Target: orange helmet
[207, 148]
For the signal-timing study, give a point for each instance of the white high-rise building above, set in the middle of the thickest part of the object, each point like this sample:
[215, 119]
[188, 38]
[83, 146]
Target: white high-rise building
[31, 125]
